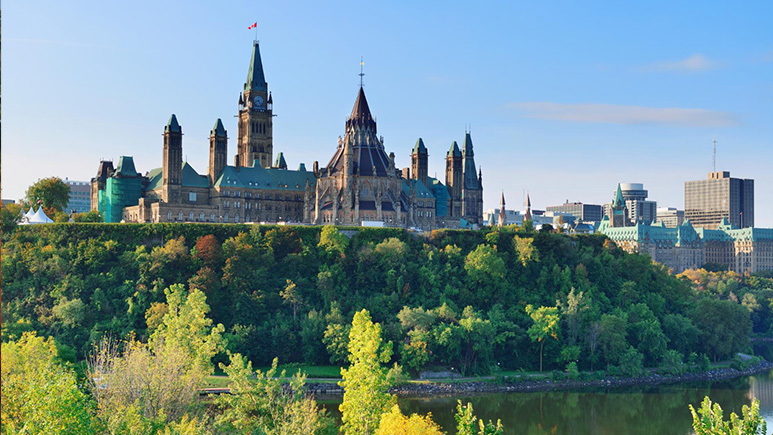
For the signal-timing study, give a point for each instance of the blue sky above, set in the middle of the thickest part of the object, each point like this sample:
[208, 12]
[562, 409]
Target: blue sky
[565, 99]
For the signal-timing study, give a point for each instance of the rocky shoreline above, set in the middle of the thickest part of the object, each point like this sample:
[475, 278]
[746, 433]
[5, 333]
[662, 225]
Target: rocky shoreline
[456, 388]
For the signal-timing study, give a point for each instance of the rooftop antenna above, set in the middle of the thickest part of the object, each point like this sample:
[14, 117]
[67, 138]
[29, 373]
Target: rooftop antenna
[715, 154]
[362, 74]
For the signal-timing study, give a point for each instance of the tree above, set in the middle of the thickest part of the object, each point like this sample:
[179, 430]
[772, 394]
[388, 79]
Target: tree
[187, 326]
[708, 420]
[527, 252]
[39, 394]
[90, 216]
[545, 325]
[260, 403]
[465, 422]
[152, 385]
[292, 295]
[725, 326]
[333, 241]
[51, 192]
[10, 216]
[395, 423]
[365, 382]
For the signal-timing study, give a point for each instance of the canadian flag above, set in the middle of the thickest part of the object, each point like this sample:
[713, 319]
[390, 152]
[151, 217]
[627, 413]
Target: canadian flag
[253, 26]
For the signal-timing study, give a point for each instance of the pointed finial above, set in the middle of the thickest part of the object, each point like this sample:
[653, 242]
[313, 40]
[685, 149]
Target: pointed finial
[362, 74]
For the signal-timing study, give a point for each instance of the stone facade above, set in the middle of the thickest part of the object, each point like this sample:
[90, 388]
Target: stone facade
[359, 186]
[685, 247]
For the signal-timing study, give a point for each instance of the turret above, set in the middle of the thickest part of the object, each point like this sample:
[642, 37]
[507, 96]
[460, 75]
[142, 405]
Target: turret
[280, 161]
[502, 219]
[454, 180]
[419, 162]
[218, 151]
[527, 216]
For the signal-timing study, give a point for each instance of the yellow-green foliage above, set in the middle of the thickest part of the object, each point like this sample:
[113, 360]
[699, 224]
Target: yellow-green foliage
[395, 423]
[40, 395]
[365, 382]
[708, 420]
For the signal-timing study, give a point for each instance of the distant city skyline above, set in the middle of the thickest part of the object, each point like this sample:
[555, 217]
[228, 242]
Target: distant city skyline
[564, 100]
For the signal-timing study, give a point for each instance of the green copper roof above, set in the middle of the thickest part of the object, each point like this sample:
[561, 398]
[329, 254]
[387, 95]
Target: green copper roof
[125, 167]
[454, 151]
[618, 202]
[191, 178]
[302, 167]
[172, 125]
[265, 178]
[280, 161]
[419, 147]
[255, 78]
[441, 197]
[218, 129]
[422, 191]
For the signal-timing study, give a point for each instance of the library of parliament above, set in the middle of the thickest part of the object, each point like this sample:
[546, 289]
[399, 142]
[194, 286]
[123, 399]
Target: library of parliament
[359, 186]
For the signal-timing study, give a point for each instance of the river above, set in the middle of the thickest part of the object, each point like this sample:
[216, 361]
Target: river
[642, 410]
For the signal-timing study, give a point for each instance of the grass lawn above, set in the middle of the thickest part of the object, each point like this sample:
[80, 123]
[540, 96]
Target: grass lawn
[310, 371]
[329, 374]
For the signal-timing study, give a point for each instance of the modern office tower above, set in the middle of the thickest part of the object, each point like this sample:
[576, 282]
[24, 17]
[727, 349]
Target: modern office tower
[80, 196]
[670, 216]
[583, 212]
[706, 202]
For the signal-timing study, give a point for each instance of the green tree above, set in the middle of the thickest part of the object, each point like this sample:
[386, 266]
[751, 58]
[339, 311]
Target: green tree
[259, 403]
[545, 325]
[10, 216]
[466, 419]
[708, 420]
[333, 241]
[90, 216]
[40, 395]
[725, 327]
[187, 326]
[51, 192]
[365, 382]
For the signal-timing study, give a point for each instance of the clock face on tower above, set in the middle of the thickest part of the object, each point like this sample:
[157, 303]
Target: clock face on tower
[258, 101]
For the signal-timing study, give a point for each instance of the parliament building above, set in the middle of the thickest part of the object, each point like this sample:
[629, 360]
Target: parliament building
[359, 186]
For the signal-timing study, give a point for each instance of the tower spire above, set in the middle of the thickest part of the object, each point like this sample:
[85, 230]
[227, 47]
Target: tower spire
[362, 74]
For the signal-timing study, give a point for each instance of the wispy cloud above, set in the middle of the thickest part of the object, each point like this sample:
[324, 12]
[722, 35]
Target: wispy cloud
[694, 63]
[620, 114]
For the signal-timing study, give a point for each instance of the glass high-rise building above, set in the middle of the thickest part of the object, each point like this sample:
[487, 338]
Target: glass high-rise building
[706, 202]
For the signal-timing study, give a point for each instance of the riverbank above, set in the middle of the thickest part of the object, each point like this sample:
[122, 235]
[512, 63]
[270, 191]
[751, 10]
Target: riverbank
[456, 388]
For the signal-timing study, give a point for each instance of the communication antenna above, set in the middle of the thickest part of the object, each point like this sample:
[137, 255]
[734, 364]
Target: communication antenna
[362, 74]
[715, 154]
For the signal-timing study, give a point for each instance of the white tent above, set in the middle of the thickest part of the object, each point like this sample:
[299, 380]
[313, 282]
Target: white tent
[25, 218]
[40, 218]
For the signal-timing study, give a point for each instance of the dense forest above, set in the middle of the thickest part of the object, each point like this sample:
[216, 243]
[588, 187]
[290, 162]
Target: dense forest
[474, 301]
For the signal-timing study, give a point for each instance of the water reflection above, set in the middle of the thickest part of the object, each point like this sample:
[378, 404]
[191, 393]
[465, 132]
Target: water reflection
[653, 410]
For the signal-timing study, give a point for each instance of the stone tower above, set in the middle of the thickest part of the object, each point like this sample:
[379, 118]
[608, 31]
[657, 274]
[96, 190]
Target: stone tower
[218, 151]
[472, 190]
[419, 162]
[173, 161]
[255, 141]
[454, 172]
